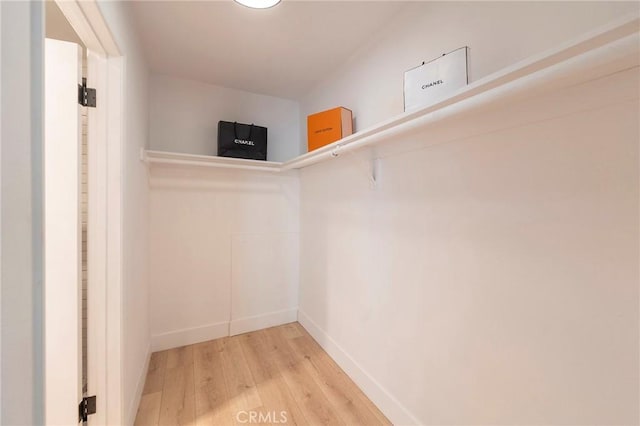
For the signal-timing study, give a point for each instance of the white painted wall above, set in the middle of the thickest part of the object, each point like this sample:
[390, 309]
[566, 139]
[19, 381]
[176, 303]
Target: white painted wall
[135, 207]
[223, 252]
[497, 33]
[492, 275]
[21, 104]
[184, 117]
[468, 287]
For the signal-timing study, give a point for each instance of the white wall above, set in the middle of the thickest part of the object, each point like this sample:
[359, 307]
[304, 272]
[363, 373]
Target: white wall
[184, 117]
[21, 144]
[491, 279]
[492, 275]
[497, 33]
[135, 207]
[223, 253]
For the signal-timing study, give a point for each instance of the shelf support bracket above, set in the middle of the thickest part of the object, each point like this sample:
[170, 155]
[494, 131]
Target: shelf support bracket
[371, 168]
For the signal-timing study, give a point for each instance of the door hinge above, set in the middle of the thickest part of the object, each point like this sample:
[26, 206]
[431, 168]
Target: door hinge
[86, 95]
[87, 407]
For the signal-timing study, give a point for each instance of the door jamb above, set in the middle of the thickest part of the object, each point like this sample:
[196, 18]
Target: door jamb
[105, 141]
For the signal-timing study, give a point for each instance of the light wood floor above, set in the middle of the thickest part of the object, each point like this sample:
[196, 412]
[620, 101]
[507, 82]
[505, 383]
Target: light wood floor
[280, 374]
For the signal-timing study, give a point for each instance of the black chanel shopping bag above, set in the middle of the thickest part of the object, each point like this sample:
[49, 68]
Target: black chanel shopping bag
[239, 140]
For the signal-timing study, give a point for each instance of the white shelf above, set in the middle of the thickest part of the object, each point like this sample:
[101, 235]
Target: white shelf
[170, 158]
[599, 53]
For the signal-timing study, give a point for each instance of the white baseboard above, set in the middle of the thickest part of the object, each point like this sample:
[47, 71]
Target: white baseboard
[135, 403]
[189, 336]
[389, 405]
[258, 322]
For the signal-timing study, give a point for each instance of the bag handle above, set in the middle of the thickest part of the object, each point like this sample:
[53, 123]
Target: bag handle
[235, 130]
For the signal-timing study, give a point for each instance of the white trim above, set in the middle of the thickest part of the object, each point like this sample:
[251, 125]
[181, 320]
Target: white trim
[114, 159]
[106, 133]
[97, 238]
[387, 403]
[85, 18]
[73, 12]
[99, 26]
[258, 322]
[0, 208]
[132, 411]
[189, 336]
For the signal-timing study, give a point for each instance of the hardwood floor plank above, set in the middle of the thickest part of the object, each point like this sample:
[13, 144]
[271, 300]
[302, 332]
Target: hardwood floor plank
[364, 398]
[180, 357]
[213, 407]
[346, 398]
[259, 374]
[330, 362]
[278, 402]
[178, 393]
[240, 385]
[149, 410]
[291, 330]
[314, 405]
[155, 374]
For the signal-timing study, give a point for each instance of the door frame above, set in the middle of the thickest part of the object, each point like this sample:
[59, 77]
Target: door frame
[105, 73]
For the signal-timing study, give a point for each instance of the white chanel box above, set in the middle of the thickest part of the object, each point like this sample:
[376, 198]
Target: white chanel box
[435, 80]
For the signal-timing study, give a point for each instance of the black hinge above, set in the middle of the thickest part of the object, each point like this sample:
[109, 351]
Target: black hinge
[86, 95]
[87, 407]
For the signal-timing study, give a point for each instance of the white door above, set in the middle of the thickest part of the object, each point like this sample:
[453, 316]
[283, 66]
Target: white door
[62, 229]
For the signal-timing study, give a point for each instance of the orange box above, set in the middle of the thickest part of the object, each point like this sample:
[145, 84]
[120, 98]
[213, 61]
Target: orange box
[328, 126]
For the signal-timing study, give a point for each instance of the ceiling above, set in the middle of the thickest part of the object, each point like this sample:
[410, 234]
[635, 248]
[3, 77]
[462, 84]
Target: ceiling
[282, 51]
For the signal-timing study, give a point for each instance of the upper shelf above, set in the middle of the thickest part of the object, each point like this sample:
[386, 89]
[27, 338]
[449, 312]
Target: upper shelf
[596, 54]
[159, 157]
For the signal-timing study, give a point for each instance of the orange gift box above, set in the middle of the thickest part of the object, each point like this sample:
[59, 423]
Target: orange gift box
[328, 126]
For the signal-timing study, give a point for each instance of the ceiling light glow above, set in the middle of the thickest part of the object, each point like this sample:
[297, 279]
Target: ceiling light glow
[258, 4]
